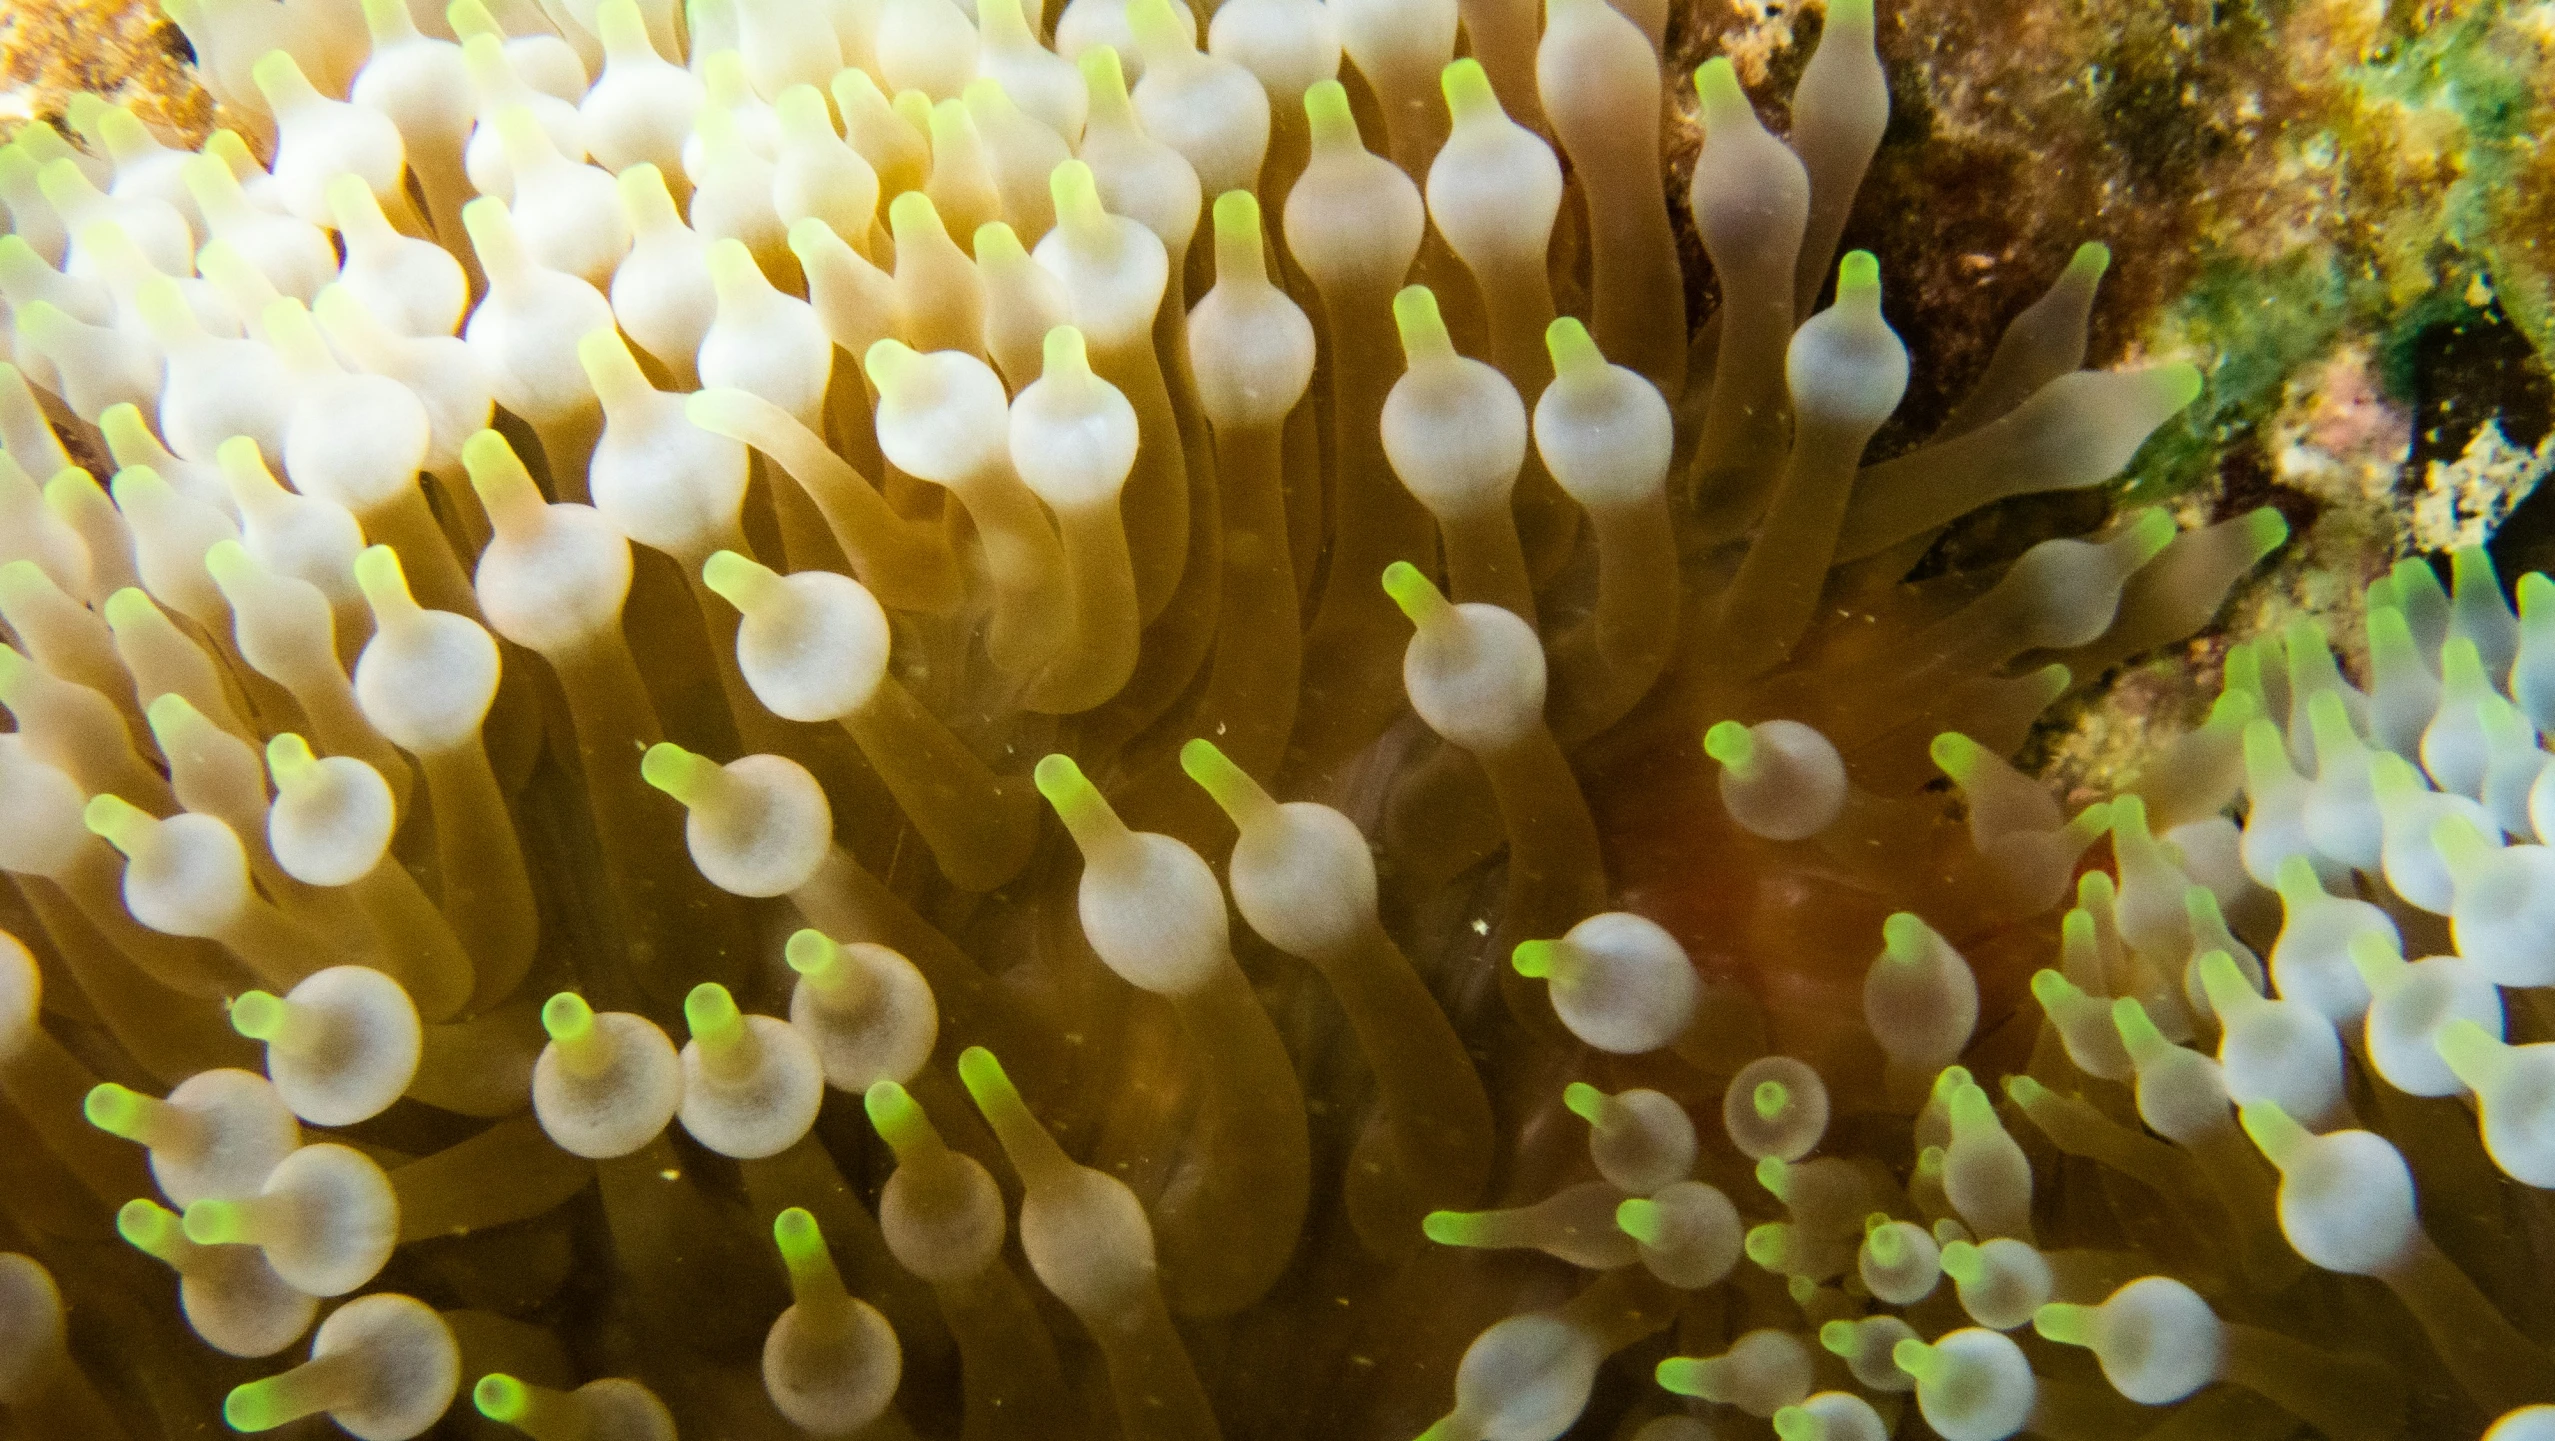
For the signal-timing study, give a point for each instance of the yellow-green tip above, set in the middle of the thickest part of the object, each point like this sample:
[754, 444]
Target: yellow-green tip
[1733, 744]
[1573, 349]
[1585, 1101]
[1326, 112]
[148, 1226]
[1453, 1228]
[810, 952]
[289, 758]
[741, 582]
[1419, 599]
[1685, 1376]
[1769, 1099]
[258, 1015]
[1078, 802]
[1466, 86]
[257, 1406]
[1858, 275]
[1536, 959]
[1774, 1174]
[502, 1398]
[1903, 937]
[2065, 1324]
[1641, 1220]
[215, 1222]
[983, 1076]
[1422, 328]
[1957, 756]
[1767, 1245]
[567, 1018]
[1792, 1423]
[1917, 1359]
[113, 1109]
[710, 1013]
[795, 1231]
[677, 772]
[1227, 784]
[898, 1117]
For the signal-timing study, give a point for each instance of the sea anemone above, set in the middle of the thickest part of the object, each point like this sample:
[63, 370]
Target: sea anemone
[628, 810]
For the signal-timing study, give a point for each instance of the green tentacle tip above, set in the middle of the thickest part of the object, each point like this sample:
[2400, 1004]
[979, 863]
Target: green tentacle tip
[710, 1013]
[734, 578]
[983, 1075]
[1859, 271]
[289, 758]
[1774, 1174]
[1903, 937]
[1412, 591]
[1716, 82]
[501, 1397]
[795, 1231]
[1886, 1244]
[811, 952]
[1731, 743]
[2091, 260]
[2182, 382]
[1684, 1376]
[1452, 1228]
[1838, 1338]
[897, 1116]
[253, 1407]
[1917, 1359]
[152, 1229]
[113, 1109]
[215, 1223]
[1768, 1244]
[1227, 784]
[1466, 86]
[1963, 1263]
[1956, 755]
[1571, 346]
[1769, 1099]
[258, 1015]
[676, 771]
[1585, 1101]
[2066, 1324]
[1067, 788]
[1641, 1220]
[2267, 530]
[1325, 110]
[1422, 327]
[1535, 959]
[1792, 1423]
[1237, 213]
[2274, 1132]
[567, 1018]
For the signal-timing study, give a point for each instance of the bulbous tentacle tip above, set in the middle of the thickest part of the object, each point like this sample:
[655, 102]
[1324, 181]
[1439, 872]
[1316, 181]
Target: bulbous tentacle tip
[1422, 327]
[113, 1109]
[1585, 1101]
[2066, 1324]
[2274, 1133]
[1413, 592]
[1640, 1219]
[258, 1015]
[1733, 744]
[1078, 803]
[1451, 1228]
[710, 1013]
[501, 1398]
[1858, 276]
[898, 1118]
[1536, 959]
[214, 1222]
[677, 772]
[795, 1231]
[983, 1076]
[1466, 86]
[566, 1018]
